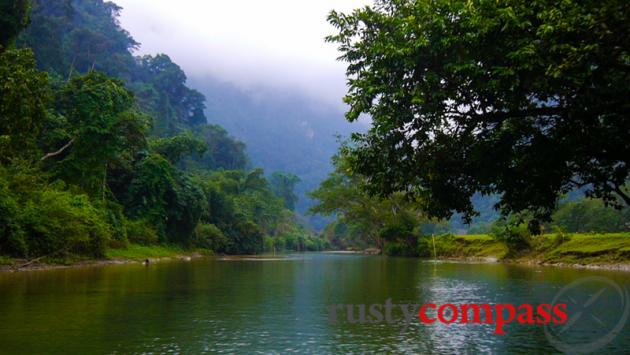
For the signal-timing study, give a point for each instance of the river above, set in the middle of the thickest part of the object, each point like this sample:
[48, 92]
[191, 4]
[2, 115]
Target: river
[282, 305]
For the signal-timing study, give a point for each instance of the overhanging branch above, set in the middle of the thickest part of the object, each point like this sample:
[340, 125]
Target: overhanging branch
[53, 154]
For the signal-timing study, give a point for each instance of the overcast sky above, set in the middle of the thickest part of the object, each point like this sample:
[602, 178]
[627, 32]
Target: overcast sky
[278, 43]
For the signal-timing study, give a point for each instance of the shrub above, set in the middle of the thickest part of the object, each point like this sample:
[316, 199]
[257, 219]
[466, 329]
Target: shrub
[291, 242]
[12, 241]
[247, 238]
[425, 246]
[141, 232]
[310, 245]
[395, 249]
[280, 243]
[515, 237]
[58, 222]
[114, 216]
[209, 236]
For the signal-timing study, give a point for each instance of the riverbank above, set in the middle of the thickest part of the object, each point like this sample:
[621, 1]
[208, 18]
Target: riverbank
[605, 251]
[593, 251]
[132, 254]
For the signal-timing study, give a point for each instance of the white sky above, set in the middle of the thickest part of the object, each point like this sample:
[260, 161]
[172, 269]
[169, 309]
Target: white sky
[277, 43]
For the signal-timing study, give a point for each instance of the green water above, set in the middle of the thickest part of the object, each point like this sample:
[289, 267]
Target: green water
[245, 306]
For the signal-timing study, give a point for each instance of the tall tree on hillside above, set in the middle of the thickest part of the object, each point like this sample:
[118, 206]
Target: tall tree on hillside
[102, 126]
[527, 99]
[24, 99]
[283, 185]
[14, 17]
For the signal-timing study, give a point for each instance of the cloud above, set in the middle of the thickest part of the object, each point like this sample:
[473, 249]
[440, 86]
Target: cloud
[276, 43]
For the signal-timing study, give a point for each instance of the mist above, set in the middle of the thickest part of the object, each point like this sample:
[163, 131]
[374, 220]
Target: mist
[276, 44]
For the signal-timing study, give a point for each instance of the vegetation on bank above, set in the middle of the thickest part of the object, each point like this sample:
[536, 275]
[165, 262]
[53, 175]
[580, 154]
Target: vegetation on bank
[100, 149]
[478, 98]
[553, 248]
[523, 100]
[142, 252]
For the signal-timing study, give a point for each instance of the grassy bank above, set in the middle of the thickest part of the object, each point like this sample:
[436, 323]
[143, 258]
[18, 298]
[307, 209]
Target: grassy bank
[582, 249]
[142, 252]
[132, 253]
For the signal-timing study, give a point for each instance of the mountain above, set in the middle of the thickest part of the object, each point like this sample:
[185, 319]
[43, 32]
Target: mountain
[283, 130]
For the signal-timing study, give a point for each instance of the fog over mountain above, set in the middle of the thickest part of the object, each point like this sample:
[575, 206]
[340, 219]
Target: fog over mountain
[249, 43]
[284, 131]
[268, 75]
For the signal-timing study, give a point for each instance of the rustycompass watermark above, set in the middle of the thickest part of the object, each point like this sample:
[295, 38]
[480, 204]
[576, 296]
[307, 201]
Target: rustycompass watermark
[595, 317]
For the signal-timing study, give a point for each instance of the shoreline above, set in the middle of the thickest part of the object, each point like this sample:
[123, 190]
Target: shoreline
[623, 267]
[97, 262]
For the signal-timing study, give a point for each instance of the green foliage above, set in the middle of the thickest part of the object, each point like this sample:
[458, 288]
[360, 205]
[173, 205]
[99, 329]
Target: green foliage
[375, 218]
[515, 234]
[14, 17]
[175, 148]
[38, 219]
[12, 239]
[246, 239]
[166, 197]
[59, 222]
[223, 152]
[551, 248]
[102, 125]
[24, 99]
[283, 186]
[80, 172]
[165, 95]
[141, 232]
[209, 236]
[115, 218]
[523, 99]
[591, 215]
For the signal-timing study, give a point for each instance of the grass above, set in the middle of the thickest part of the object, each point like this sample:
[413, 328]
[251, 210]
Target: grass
[589, 248]
[141, 252]
[5, 260]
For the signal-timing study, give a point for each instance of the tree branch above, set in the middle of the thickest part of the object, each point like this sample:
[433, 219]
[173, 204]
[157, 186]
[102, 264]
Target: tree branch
[625, 197]
[539, 111]
[53, 154]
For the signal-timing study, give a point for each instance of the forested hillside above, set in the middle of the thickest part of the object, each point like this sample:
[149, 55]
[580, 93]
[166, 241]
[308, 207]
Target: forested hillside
[284, 131]
[99, 148]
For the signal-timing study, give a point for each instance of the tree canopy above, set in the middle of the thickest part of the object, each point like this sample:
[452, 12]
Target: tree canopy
[99, 149]
[525, 99]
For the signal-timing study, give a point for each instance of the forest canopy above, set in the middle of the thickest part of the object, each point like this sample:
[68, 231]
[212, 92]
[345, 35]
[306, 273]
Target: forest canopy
[527, 100]
[99, 148]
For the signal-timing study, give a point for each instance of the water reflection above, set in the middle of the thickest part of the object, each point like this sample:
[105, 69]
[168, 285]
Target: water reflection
[237, 305]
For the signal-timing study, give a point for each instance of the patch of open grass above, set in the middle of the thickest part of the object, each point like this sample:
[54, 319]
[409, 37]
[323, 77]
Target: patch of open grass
[140, 252]
[591, 248]
[478, 246]
[587, 248]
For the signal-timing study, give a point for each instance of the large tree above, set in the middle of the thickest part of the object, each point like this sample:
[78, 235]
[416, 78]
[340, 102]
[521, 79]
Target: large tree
[527, 99]
[343, 195]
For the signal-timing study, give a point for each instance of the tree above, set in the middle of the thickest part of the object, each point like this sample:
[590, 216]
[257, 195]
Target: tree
[177, 147]
[224, 152]
[24, 99]
[103, 125]
[13, 19]
[527, 99]
[344, 194]
[591, 215]
[283, 185]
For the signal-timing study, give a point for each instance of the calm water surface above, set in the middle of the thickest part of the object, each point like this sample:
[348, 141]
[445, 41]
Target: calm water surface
[246, 306]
